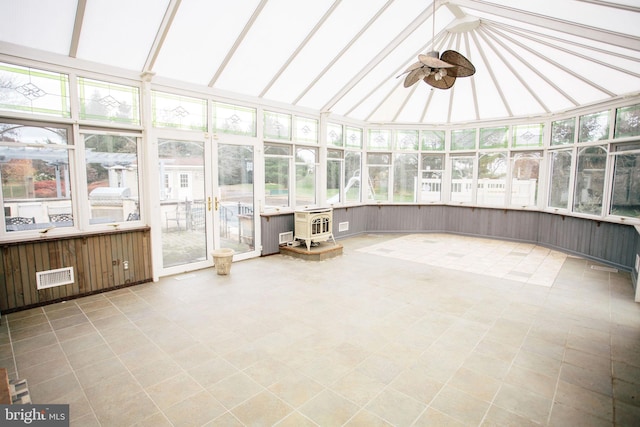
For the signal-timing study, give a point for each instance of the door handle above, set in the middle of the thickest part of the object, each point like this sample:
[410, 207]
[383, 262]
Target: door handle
[209, 204]
[217, 206]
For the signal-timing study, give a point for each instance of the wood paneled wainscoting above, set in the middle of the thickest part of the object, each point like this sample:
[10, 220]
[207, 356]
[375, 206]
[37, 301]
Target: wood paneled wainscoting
[611, 243]
[101, 261]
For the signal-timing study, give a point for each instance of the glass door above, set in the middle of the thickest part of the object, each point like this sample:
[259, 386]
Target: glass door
[235, 219]
[183, 204]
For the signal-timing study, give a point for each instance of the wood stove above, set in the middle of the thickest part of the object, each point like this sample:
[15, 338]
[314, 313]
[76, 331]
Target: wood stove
[314, 225]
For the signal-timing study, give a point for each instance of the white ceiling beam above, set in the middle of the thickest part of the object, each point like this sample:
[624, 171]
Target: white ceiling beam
[161, 35]
[343, 51]
[618, 6]
[540, 38]
[490, 31]
[492, 74]
[404, 103]
[483, 33]
[598, 34]
[440, 38]
[77, 28]
[406, 32]
[301, 46]
[382, 101]
[571, 71]
[238, 42]
[426, 105]
[474, 93]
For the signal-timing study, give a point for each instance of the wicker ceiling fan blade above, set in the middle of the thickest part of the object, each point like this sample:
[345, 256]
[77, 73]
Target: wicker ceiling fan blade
[433, 61]
[414, 76]
[462, 67]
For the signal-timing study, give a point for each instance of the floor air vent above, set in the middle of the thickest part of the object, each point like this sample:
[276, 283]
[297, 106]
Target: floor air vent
[53, 278]
[603, 268]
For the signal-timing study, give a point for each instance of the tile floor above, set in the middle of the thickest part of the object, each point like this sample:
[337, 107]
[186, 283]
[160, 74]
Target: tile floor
[401, 330]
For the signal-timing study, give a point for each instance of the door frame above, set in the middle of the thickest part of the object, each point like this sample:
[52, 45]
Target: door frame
[238, 140]
[153, 192]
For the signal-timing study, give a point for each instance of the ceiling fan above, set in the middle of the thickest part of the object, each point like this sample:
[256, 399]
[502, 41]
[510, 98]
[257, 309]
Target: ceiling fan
[438, 71]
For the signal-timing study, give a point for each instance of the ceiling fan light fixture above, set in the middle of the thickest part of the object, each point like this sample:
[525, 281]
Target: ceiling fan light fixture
[439, 71]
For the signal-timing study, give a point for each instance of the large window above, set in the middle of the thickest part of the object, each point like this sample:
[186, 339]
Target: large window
[352, 176]
[112, 178]
[306, 176]
[589, 186]
[525, 174]
[378, 168]
[335, 172]
[277, 161]
[405, 178]
[462, 179]
[560, 178]
[35, 173]
[625, 200]
[431, 183]
[38, 170]
[492, 173]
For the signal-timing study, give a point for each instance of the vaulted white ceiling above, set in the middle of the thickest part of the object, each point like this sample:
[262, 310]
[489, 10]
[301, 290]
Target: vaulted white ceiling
[532, 58]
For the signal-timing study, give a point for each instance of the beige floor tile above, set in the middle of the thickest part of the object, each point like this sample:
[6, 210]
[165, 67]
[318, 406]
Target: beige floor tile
[358, 387]
[490, 366]
[460, 406]
[34, 343]
[537, 362]
[498, 417]
[414, 382]
[195, 410]
[325, 370]
[626, 415]
[586, 378]
[497, 350]
[173, 389]
[31, 331]
[328, 409]
[295, 388]
[262, 409]
[525, 403]
[627, 372]
[365, 418]
[478, 385]
[123, 411]
[45, 371]
[35, 357]
[296, 419]
[90, 356]
[212, 371]
[432, 417]
[584, 400]
[532, 381]
[562, 415]
[225, 420]
[395, 407]
[157, 419]
[234, 390]
[268, 371]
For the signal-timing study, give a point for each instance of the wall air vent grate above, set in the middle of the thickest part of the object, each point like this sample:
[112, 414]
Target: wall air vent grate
[53, 278]
[285, 238]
